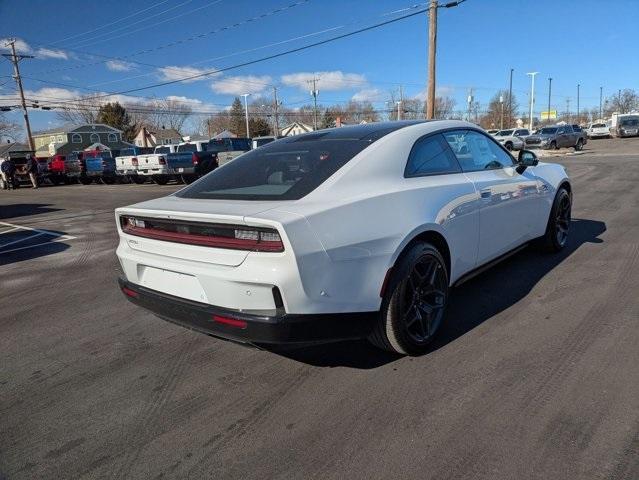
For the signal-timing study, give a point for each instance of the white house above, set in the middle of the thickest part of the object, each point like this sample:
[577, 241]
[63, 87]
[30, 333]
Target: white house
[295, 128]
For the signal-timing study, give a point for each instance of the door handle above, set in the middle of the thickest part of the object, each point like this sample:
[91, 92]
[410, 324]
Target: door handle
[485, 193]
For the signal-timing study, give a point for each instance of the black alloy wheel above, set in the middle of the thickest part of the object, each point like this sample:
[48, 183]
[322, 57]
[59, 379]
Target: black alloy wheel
[414, 303]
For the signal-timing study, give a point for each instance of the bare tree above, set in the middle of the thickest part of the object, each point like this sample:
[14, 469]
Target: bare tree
[492, 117]
[444, 107]
[82, 110]
[625, 101]
[8, 128]
[167, 113]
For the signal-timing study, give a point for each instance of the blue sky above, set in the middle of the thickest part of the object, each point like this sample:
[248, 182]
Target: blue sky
[584, 42]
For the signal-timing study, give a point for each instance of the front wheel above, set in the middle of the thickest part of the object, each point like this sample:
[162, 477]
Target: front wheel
[414, 302]
[553, 145]
[580, 145]
[160, 180]
[509, 146]
[558, 226]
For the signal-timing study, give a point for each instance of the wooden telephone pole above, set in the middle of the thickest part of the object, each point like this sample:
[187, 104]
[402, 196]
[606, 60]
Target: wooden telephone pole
[432, 49]
[14, 58]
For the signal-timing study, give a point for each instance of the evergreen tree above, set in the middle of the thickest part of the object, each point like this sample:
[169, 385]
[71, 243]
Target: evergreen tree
[238, 122]
[115, 115]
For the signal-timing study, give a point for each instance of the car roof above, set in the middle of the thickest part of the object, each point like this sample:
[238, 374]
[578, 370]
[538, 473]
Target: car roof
[356, 132]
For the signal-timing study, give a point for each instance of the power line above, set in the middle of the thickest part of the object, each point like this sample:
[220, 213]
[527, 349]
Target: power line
[145, 27]
[263, 59]
[127, 58]
[111, 23]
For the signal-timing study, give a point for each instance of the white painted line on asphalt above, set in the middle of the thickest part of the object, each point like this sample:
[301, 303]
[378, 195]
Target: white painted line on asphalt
[57, 237]
[57, 240]
[20, 240]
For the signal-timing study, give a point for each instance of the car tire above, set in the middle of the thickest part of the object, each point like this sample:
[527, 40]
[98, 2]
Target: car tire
[414, 302]
[107, 180]
[580, 145]
[158, 180]
[138, 180]
[55, 180]
[85, 180]
[553, 145]
[509, 146]
[188, 179]
[556, 236]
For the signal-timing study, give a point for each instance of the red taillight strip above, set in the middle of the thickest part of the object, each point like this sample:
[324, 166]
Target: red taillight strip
[130, 293]
[204, 240]
[231, 322]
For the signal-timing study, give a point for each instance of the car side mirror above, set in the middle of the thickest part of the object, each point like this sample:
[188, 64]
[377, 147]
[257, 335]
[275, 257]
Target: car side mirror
[526, 159]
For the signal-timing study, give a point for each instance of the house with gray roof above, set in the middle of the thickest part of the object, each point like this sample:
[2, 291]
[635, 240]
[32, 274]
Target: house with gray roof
[69, 138]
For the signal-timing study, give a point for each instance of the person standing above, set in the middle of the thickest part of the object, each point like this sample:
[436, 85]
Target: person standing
[8, 168]
[32, 169]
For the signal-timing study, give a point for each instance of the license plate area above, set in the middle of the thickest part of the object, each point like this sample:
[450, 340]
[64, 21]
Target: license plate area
[173, 283]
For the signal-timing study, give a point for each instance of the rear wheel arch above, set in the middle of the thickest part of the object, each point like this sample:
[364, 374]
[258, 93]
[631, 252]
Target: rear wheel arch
[436, 239]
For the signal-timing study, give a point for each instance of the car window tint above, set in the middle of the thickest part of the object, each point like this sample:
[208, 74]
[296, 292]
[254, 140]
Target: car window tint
[476, 151]
[431, 156]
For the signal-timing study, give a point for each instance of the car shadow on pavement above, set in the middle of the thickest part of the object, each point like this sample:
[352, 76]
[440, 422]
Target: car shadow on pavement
[25, 210]
[470, 305]
[24, 245]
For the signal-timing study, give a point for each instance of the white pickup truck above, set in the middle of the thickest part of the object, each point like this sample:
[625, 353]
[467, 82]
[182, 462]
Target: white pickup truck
[513, 138]
[126, 164]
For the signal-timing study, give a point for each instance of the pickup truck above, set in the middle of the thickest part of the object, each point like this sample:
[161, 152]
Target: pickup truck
[56, 170]
[89, 166]
[184, 162]
[227, 149]
[512, 139]
[126, 163]
[556, 137]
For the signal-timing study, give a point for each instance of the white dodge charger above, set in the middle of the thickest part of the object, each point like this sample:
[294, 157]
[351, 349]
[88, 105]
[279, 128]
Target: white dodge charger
[343, 233]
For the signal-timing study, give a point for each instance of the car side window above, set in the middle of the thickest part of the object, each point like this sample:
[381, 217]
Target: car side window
[476, 152]
[561, 131]
[431, 156]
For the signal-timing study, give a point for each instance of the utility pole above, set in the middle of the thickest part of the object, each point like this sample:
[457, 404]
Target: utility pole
[532, 97]
[400, 103]
[568, 109]
[432, 51]
[501, 102]
[16, 75]
[208, 126]
[275, 106]
[549, 92]
[510, 99]
[471, 99]
[245, 95]
[619, 102]
[314, 93]
[600, 103]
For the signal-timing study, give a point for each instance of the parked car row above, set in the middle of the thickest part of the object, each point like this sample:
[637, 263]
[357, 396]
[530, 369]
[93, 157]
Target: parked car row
[184, 162]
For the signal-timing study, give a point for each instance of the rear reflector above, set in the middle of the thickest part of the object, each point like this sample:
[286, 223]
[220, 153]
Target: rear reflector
[162, 161]
[231, 322]
[134, 162]
[130, 293]
[236, 237]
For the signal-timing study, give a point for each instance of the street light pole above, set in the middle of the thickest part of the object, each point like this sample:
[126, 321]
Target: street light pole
[549, 92]
[578, 87]
[510, 99]
[501, 101]
[245, 95]
[600, 103]
[532, 97]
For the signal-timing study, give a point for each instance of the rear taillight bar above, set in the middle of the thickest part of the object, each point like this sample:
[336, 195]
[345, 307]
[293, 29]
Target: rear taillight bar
[162, 161]
[235, 237]
[194, 159]
[134, 162]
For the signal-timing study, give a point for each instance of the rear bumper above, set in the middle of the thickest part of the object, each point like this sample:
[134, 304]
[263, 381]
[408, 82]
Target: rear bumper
[272, 327]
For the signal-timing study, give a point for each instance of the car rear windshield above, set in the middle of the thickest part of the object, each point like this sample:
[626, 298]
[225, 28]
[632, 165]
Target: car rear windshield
[162, 150]
[187, 147]
[548, 131]
[628, 123]
[284, 170]
[598, 125]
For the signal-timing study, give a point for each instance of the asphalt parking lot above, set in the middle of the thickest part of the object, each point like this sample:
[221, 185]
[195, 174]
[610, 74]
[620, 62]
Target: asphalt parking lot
[534, 376]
